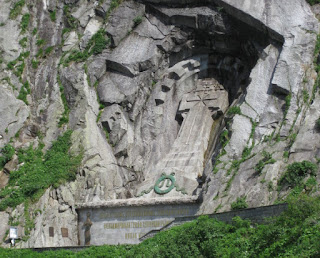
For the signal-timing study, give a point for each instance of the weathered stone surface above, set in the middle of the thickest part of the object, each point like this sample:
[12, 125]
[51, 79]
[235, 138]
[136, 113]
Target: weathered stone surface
[306, 146]
[9, 33]
[92, 27]
[4, 179]
[259, 90]
[202, 18]
[99, 162]
[11, 165]
[4, 218]
[84, 11]
[121, 21]
[115, 87]
[316, 10]
[96, 68]
[71, 1]
[70, 41]
[51, 217]
[102, 9]
[131, 53]
[119, 127]
[289, 26]
[108, 92]
[152, 28]
[241, 130]
[14, 113]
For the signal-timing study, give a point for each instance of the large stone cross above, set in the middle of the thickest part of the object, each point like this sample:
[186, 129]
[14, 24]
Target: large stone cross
[210, 93]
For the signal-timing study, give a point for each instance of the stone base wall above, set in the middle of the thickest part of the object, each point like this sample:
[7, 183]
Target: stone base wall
[126, 225]
[256, 215]
[133, 224]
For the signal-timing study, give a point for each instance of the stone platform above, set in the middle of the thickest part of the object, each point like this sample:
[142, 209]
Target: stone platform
[133, 220]
[125, 221]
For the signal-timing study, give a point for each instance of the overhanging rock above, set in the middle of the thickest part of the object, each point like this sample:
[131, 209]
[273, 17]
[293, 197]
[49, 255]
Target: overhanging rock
[289, 21]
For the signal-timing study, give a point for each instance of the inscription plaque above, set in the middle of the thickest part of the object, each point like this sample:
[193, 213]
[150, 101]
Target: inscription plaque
[51, 232]
[125, 225]
[64, 232]
[87, 226]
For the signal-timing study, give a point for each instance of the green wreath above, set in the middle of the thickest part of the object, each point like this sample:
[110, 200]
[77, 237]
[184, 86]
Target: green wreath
[160, 182]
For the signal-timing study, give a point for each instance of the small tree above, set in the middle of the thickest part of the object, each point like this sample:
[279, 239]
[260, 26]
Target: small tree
[240, 203]
[7, 153]
[296, 172]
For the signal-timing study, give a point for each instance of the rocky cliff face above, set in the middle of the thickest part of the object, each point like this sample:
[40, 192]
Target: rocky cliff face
[221, 93]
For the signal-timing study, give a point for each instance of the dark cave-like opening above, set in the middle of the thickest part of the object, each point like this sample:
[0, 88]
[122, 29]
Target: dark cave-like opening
[227, 48]
[232, 49]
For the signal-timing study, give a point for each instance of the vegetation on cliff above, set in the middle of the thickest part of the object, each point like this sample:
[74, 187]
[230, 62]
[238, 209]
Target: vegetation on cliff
[38, 171]
[312, 2]
[296, 233]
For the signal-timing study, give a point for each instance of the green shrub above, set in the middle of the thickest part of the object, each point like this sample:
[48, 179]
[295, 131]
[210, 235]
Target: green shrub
[64, 119]
[71, 22]
[305, 96]
[23, 94]
[40, 53]
[313, 2]
[137, 20]
[48, 50]
[25, 54]
[16, 10]
[25, 22]
[296, 172]
[98, 42]
[40, 171]
[287, 104]
[65, 116]
[246, 152]
[292, 138]
[16, 66]
[240, 203]
[224, 138]
[65, 30]
[76, 56]
[113, 5]
[6, 154]
[53, 16]
[23, 42]
[11, 64]
[34, 63]
[95, 46]
[24, 91]
[235, 110]
[40, 42]
[99, 115]
[267, 159]
[19, 69]
[29, 222]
